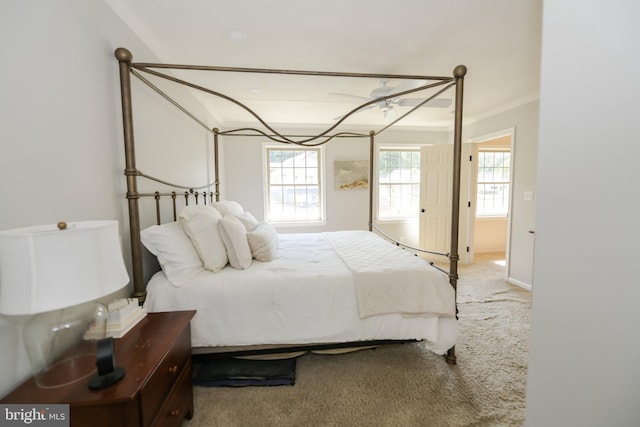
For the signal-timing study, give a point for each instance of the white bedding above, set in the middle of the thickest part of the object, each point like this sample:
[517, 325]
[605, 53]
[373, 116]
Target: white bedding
[417, 289]
[305, 295]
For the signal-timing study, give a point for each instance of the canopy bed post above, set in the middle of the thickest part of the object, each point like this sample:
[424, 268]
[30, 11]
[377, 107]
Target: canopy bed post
[459, 73]
[125, 57]
[216, 164]
[371, 154]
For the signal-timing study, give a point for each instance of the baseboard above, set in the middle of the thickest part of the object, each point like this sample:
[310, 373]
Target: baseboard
[519, 284]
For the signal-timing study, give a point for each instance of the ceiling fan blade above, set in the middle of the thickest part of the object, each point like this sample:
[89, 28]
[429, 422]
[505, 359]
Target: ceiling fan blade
[434, 103]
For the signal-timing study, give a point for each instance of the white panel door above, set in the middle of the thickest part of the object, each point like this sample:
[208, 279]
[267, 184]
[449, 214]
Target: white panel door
[435, 199]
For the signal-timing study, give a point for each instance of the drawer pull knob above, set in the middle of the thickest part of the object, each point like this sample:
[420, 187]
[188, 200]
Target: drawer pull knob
[175, 412]
[173, 369]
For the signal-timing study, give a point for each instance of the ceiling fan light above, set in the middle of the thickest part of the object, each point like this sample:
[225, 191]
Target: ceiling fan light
[386, 106]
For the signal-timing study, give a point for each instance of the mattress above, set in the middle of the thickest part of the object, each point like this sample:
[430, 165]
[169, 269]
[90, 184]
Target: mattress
[306, 295]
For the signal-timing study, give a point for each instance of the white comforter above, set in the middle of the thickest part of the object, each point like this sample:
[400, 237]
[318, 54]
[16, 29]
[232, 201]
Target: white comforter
[305, 295]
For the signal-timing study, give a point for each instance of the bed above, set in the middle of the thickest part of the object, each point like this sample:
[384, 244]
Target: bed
[290, 292]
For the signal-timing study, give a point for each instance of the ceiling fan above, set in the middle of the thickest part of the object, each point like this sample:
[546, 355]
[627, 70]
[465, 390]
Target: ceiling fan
[386, 105]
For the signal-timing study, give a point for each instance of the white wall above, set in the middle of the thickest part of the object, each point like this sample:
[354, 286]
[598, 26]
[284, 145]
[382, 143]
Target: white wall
[60, 126]
[584, 348]
[490, 235]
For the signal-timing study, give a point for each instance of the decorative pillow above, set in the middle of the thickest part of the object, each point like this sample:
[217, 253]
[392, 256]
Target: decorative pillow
[228, 207]
[175, 253]
[200, 222]
[248, 220]
[263, 242]
[234, 236]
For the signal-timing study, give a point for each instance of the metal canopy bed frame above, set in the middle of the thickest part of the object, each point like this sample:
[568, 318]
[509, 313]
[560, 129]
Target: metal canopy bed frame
[128, 68]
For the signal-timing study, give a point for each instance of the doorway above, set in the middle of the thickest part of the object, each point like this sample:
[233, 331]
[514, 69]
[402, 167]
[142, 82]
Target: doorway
[490, 188]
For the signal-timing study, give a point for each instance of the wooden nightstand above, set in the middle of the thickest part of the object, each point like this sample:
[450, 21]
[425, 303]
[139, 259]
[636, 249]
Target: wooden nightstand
[155, 391]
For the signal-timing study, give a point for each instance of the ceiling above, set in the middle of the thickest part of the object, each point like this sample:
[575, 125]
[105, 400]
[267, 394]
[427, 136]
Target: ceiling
[498, 41]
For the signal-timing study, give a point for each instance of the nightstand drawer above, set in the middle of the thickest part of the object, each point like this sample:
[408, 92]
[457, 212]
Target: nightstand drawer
[155, 391]
[179, 403]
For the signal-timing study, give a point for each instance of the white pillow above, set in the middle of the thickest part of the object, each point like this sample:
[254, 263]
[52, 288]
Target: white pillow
[175, 253]
[200, 222]
[263, 242]
[248, 220]
[234, 236]
[228, 207]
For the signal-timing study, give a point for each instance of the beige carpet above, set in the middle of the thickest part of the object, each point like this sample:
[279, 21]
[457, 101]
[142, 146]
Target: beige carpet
[402, 385]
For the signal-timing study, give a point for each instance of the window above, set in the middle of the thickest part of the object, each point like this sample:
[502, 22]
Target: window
[294, 184]
[494, 172]
[398, 183]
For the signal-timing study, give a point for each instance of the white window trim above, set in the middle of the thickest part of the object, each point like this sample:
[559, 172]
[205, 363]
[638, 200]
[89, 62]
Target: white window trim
[490, 216]
[321, 177]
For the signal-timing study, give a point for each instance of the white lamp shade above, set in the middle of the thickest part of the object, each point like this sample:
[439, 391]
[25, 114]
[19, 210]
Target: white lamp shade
[44, 268]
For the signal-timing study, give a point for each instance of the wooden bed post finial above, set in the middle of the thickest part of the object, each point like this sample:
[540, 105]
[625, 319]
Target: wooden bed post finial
[123, 55]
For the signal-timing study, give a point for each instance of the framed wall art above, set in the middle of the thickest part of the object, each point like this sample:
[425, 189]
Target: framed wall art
[351, 174]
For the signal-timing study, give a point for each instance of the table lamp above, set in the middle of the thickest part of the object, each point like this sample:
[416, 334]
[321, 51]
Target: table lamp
[55, 274]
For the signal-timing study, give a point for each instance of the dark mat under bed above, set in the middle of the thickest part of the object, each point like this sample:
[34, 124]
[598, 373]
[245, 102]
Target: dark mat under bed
[230, 372]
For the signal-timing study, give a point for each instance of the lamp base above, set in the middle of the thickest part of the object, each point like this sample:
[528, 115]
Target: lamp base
[103, 381]
[66, 371]
[53, 342]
